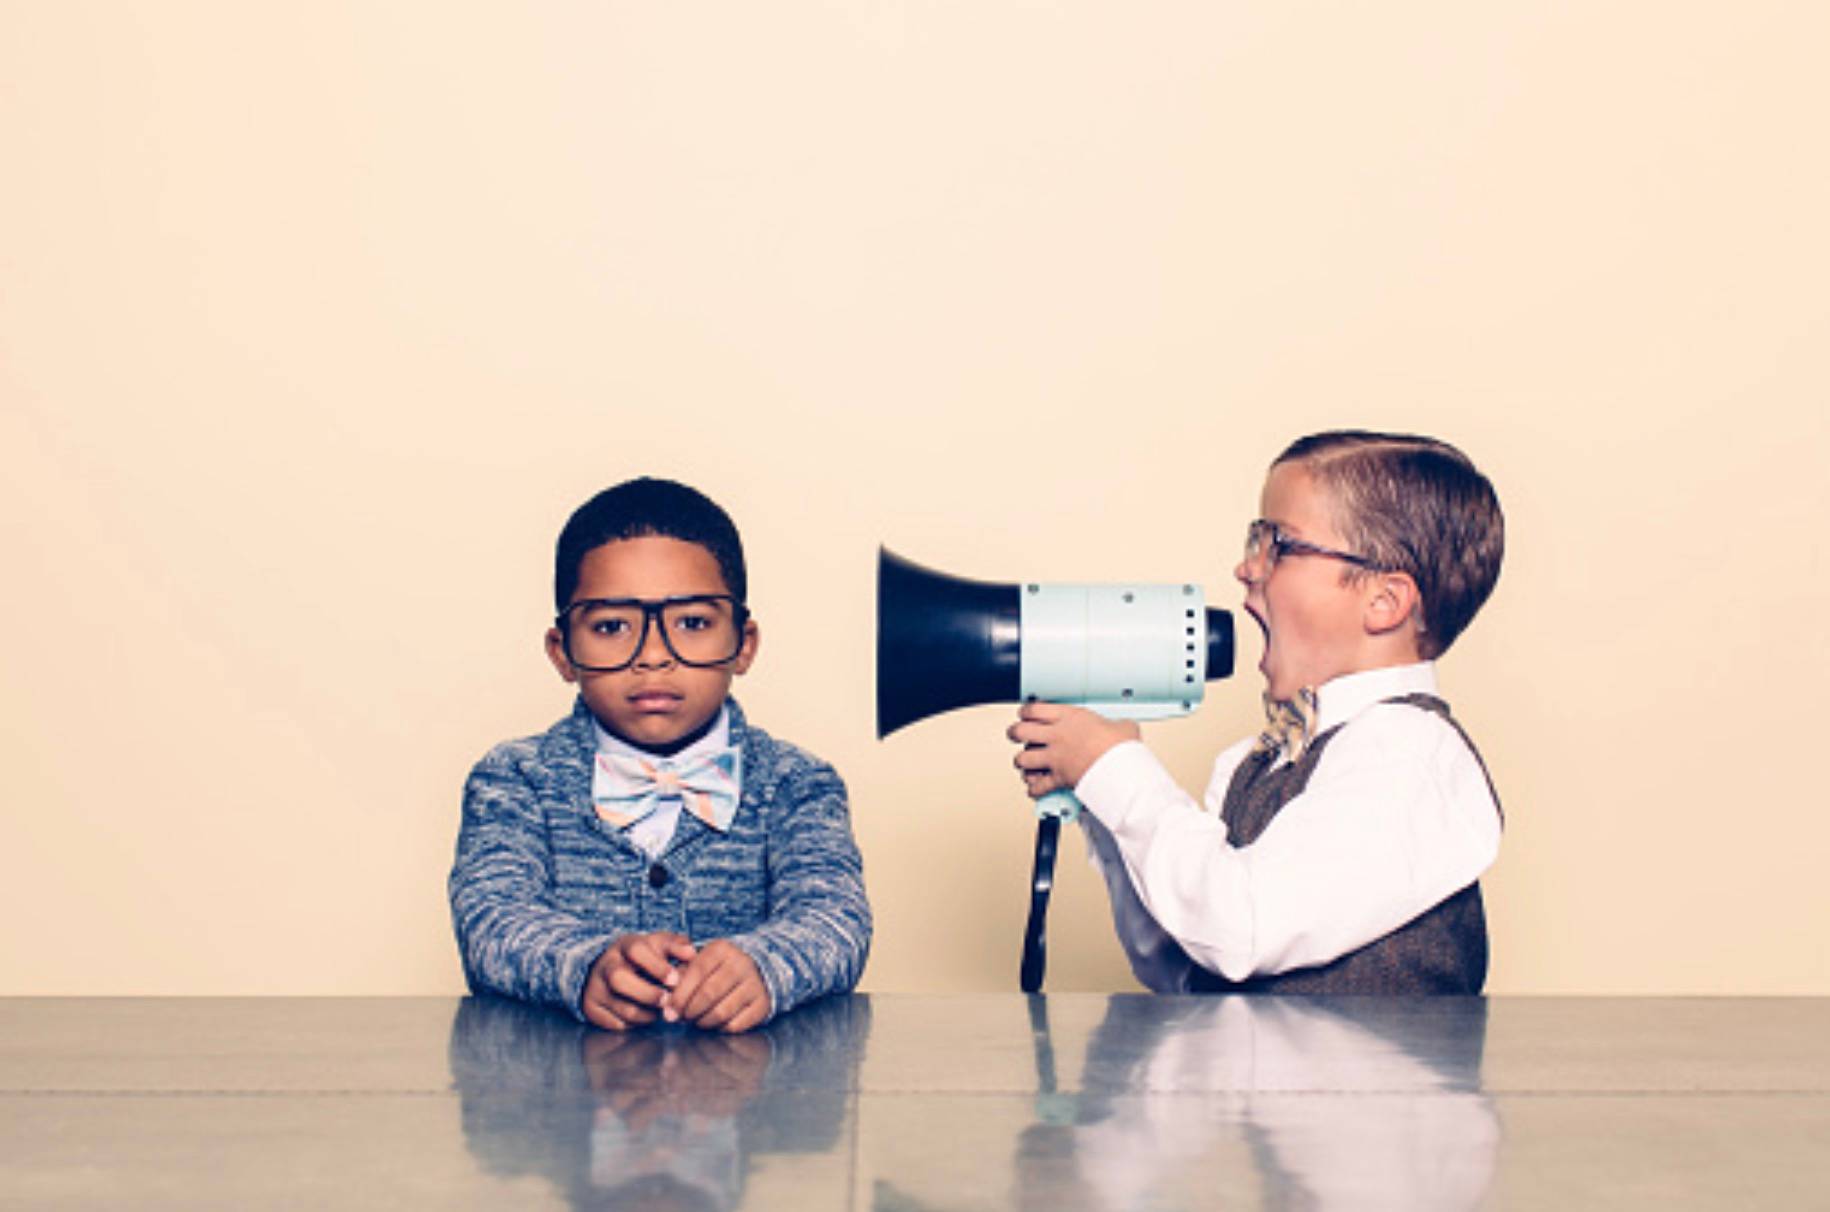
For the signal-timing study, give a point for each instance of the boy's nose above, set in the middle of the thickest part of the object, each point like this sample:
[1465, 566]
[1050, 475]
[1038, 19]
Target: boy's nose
[654, 653]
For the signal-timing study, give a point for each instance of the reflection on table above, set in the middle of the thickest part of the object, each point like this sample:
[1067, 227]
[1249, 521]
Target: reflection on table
[897, 1102]
[669, 1117]
[1334, 1101]
[1414, 1130]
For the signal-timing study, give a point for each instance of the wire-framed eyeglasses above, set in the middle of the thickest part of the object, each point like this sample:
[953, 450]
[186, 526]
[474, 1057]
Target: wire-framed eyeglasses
[1265, 544]
[607, 635]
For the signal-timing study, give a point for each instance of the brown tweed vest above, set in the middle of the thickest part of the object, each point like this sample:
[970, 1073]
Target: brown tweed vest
[1442, 951]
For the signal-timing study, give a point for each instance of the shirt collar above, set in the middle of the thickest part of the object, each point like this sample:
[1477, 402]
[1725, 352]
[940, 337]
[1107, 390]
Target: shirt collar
[718, 736]
[1340, 700]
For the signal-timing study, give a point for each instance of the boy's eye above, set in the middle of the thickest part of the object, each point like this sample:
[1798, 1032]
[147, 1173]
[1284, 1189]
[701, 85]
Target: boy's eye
[608, 626]
[692, 621]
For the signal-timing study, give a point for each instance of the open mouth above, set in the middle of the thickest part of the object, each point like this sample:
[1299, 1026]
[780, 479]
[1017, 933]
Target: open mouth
[1264, 633]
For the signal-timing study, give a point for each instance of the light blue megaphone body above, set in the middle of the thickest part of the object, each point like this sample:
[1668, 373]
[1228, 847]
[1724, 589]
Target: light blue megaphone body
[1129, 652]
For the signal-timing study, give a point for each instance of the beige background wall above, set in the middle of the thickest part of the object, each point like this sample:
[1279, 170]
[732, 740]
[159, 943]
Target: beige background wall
[315, 321]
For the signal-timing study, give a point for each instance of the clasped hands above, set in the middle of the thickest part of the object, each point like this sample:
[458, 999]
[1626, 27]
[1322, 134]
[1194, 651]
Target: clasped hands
[1061, 743]
[642, 977]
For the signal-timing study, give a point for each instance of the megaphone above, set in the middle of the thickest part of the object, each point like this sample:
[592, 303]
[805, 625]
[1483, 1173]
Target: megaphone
[1128, 651]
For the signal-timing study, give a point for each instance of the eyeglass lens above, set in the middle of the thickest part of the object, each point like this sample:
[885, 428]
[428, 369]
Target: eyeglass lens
[608, 635]
[1261, 543]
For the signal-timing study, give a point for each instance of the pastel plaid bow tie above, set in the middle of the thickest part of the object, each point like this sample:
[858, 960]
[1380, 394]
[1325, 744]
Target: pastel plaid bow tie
[625, 788]
[1289, 725]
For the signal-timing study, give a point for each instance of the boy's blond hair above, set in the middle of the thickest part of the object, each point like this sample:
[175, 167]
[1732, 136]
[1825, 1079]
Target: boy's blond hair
[1418, 506]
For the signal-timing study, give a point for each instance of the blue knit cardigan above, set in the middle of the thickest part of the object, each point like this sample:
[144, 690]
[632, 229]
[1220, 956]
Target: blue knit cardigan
[541, 886]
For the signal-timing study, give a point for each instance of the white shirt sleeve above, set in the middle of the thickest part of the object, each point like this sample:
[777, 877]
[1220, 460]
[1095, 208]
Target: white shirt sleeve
[1159, 964]
[1396, 817]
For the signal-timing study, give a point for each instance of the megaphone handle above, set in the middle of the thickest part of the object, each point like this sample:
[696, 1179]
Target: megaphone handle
[1062, 804]
[1041, 883]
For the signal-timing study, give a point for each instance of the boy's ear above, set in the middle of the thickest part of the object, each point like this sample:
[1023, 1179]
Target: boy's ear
[752, 637]
[1392, 602]
[556, 653]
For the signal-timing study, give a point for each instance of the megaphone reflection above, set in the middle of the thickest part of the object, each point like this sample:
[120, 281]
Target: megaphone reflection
[1127, 650]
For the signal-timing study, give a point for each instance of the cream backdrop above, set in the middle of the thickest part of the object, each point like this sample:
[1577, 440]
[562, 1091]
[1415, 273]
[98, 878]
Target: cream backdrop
[316, 320]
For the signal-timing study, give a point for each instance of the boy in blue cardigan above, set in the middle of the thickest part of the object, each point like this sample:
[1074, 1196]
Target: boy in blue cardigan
[653, 855]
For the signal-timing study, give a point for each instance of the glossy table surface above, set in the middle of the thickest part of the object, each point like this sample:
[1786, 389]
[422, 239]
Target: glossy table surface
[905, 1102]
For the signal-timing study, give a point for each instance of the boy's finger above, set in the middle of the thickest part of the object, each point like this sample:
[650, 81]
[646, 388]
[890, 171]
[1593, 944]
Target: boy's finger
[618, 1016]
[1037, 711]
[603, 1017]
[1035, 757]
[601, 1008]
[724, 1014]
[751, 1015]
[597, 1013]
[651, 957]
[632, 986]
[720, 966]
[691, 977]
[725, 972]
[1030, 732]
[631, 1013]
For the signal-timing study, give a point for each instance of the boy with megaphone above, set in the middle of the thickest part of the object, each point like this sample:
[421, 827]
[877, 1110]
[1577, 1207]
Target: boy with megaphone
[1340, 851]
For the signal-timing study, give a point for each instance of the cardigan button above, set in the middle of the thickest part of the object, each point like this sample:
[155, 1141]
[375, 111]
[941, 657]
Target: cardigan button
[657, 876]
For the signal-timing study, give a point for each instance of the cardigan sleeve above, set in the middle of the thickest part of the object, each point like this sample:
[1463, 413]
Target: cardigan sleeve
[818, 931]
[514, 940]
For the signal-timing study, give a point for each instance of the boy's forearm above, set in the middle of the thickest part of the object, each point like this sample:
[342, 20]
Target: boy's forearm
[805, 955]
[512, 939]
[525, 951]
[819, 931]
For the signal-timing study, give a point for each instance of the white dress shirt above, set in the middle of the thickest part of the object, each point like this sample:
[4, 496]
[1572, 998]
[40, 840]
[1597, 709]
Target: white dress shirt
[1396, 817]
[651, 834]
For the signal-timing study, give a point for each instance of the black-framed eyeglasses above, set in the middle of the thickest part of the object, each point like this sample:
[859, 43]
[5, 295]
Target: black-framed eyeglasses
[607, 635]
[1265, 543]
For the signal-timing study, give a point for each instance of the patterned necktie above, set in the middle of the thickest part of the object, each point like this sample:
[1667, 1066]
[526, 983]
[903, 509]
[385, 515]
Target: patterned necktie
[1289, 725]
[625, 787]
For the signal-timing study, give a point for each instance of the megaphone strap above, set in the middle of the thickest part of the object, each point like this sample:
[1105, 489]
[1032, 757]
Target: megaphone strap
[1041, 883]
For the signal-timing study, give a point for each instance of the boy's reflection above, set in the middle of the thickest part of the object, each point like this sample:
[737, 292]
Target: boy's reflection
[665, 1126]
[654, 1119]
[1338, 1102]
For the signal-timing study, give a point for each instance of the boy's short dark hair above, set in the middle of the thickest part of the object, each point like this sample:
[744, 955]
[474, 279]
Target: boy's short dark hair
[1414, 505]
[643, 508]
